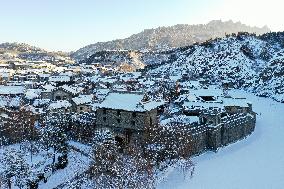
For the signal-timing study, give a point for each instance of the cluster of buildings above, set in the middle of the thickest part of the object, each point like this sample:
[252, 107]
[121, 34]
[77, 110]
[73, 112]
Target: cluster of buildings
[126, 103]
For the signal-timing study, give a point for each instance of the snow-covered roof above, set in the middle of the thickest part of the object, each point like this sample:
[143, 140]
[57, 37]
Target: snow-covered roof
[119, 86]
[3, 101]
[60, 68]
[44, 75]
[5, 74]
[102, 91]
[32, 93]
[202, 105]
[59, 78]
[59, 104]
[69, 73]
[175, 77]
[10, 102]
[39, 102]
[83, 99]
[180, 119]
[13, 90]
[206, 92]
[216, 104]
[3, 115]
[108, 80]
[72, 90]
[48, 88]
[186, 97]
[235, 102]
[128, 102]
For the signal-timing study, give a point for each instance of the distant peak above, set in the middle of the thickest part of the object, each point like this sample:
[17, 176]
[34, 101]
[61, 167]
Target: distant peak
[163, 38]
[214, 21]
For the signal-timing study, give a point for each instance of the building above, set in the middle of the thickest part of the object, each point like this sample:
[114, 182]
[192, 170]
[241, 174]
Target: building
[60, 79]
[64, 93]
[82, 103]
[221, 119]
[60, 106]
[127, 114]
[12, 91]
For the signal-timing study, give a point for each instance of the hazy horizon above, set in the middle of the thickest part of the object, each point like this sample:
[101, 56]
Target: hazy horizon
[69, 25]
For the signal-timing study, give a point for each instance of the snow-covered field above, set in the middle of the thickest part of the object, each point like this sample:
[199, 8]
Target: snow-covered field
[256, 162]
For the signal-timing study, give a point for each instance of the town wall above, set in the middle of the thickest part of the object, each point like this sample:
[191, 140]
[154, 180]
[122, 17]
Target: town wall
[231, 129]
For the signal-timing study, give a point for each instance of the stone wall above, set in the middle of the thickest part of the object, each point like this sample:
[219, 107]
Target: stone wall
[46, 95]
[199, 139]
[214, 137]
[62, 95]
[82, 108]
[231, 129]
[126, 119]
[236, 127]
[204, 136]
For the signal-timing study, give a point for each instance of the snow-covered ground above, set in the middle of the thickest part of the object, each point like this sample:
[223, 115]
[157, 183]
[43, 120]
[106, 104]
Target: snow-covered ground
[78, 163]
[255, 162]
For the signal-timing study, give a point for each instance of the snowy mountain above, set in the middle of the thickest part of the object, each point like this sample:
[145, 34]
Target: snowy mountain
[25, 52]
[169, 37]
[247, 61]
[128, 60]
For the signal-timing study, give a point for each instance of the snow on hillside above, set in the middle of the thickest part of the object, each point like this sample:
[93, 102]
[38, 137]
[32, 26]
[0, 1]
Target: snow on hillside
[163, 38]
[272, 78]
[245, 60]
[255, 162]
[223, 58]
[25, 52]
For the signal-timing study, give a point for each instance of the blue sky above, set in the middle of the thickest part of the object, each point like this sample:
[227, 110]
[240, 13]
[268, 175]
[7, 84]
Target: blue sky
[70, 24]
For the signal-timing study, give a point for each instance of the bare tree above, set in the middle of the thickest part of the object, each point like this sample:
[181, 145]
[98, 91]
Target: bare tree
[15, 166]
[115, 169]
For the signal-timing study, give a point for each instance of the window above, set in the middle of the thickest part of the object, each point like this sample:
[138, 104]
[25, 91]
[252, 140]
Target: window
[81, 108]
[58, 98]
[204, 120]
[127, 134]
[104, 111]
[118, 112]
[207, 98]
[104, 118]
[133, 114]
[118, 120]
[133, 123]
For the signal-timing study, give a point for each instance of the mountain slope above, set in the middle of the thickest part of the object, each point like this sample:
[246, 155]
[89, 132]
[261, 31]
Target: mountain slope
[129, 59]
[25, 52]
[169, 37]
[245, 60]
